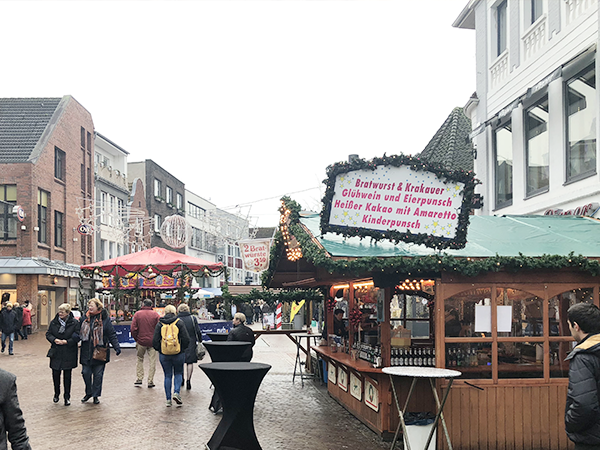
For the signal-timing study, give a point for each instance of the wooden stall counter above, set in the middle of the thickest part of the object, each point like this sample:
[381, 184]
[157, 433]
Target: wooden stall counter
[365, 391]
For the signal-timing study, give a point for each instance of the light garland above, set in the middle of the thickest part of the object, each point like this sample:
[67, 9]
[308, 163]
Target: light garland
[293, 249]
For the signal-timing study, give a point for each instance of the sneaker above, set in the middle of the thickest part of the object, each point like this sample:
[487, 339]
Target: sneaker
[138, 382]
[177, 398]
[151, 384]
[169, 403]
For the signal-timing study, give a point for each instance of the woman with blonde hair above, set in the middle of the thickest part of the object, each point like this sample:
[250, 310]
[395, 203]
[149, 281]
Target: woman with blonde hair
[171, 351]
[96, 333]
[63, 334]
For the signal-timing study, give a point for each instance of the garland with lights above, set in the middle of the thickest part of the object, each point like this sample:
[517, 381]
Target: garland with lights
[426, 266]
[416, 164]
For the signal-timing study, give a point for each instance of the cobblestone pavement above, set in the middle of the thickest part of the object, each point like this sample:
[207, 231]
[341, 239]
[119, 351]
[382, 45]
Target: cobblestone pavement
[286, 415]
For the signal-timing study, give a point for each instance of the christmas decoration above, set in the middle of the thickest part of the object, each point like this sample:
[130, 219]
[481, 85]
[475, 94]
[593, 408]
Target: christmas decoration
[355, 317]
[175, 231]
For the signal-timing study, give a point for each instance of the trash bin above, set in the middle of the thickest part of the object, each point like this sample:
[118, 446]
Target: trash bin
[418, 427]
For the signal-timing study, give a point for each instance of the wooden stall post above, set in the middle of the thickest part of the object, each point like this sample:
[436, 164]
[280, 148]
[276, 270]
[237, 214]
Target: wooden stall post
[386, 338]
[351, 306]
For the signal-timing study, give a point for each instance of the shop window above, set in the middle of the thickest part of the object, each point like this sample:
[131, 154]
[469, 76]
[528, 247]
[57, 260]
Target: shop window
[520, 359]
[459, 313]
[474, 360]
[559, 368]
[536, 129]
[8, 219]
[559, 305]
[411, 312]
[520, 312]
[581, 124]
[42, 216]
[503, 172]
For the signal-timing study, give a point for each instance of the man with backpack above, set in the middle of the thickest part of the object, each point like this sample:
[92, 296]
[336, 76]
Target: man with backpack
[170, 340]
[582, 412]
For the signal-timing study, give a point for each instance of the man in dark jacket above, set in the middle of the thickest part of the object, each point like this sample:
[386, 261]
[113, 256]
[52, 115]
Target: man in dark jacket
[241, 332]
[582, 411]
[11, 416]
[19, 311]
[142, 331]
[8, 325]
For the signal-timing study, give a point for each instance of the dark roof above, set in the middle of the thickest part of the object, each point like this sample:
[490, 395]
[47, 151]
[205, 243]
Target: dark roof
[451, 146]
[22, 124]
[264, 233]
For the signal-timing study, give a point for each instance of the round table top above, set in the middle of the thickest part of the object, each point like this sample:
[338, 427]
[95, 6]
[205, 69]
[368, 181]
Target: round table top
[308, 335]
[421, 372]
[226, 343]
[235, 366]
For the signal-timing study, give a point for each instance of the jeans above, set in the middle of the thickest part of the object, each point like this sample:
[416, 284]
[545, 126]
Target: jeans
[11, 339]
[92, 376]
[139, 368]
[172, 364]
[66, 379]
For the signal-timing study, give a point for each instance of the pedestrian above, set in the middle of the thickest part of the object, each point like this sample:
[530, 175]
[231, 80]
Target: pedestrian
[257, 312]
[63, 334]
[27, 314]
[75, 311]
[19, 310]
[96, 333]
[582, 411]
[142, 331]
[241, 332]
[170, 340]
[8, 325]
[191, 326]
[12, 422]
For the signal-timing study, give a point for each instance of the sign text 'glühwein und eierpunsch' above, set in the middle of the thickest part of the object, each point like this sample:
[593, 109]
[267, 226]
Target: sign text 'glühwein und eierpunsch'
[400, 202]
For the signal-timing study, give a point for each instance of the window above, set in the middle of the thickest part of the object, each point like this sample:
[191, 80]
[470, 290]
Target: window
[501, 28]
[82, 178]
[111, 213]
[157, 223]
[82, 137]
[8, 220]
[179, 201]
[195, 211]
[103, 208]
[89, 141]
[503, 172]
[42, 216]
[103, 249]
[157, 188]
[169, 195]
[581, 124]
[111, 250]
[409, 311]
[59, 163]
[196, 240]
[89, 181]
[58, 229]
[536, 129]
[536, 10]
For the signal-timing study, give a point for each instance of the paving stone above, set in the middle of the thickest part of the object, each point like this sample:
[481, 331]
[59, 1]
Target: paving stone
[286, 415]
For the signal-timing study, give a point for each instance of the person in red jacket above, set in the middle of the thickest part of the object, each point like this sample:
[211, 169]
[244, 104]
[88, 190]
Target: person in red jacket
[142, 331]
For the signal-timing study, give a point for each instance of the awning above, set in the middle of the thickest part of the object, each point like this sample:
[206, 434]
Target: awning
[37, 266]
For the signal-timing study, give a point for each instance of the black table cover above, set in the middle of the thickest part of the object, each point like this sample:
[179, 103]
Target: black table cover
[237, 384]
[217, 336]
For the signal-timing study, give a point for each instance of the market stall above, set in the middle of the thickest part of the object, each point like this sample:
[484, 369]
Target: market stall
[495, 310]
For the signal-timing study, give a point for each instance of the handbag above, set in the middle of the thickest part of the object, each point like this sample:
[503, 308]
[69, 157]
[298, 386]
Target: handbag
[200, 348]
[99, 353]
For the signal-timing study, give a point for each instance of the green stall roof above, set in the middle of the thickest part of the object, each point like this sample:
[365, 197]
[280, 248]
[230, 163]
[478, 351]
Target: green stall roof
[487, 236]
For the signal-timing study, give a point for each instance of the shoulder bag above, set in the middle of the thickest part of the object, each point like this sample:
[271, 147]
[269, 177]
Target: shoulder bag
[200, 349]
[99, 353]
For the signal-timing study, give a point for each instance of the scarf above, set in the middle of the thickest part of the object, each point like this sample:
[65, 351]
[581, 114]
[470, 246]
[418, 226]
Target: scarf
[97, 328]
[63, 324]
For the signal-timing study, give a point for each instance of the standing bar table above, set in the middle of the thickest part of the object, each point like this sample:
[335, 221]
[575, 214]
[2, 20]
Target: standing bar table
[237, 384]
[430, 373]
[298, 364]
[228, 351]
[217, 337]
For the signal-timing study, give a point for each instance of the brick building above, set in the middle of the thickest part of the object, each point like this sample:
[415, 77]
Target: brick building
[165, 196]
[46, 172]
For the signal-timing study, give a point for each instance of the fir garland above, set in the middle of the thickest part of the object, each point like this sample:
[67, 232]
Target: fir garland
[426, 266]
[416, 164]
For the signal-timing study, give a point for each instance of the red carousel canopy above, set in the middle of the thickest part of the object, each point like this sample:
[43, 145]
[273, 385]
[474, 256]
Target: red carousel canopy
[159, 260]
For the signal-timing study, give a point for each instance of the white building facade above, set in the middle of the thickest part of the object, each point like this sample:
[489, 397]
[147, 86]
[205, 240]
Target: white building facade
[535, 111]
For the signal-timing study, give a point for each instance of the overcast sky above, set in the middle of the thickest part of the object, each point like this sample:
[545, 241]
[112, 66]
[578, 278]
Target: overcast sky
[247, 100]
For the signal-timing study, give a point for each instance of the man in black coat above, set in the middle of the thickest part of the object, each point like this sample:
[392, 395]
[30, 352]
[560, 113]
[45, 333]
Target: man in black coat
[582, 411]
[8, 325]
[241, 332]
[19, 310]
[12, 422]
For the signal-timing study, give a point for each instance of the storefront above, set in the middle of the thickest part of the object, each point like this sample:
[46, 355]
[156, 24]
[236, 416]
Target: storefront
[494, 310]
